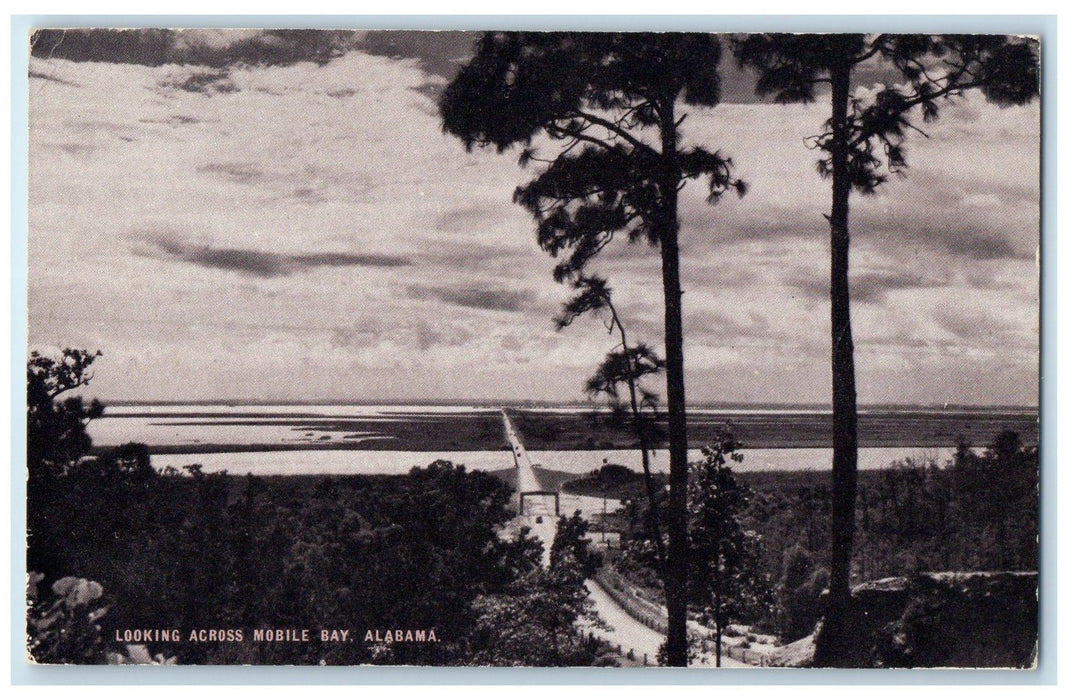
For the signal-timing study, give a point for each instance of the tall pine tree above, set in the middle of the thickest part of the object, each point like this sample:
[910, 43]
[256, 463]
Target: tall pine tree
[609, 104]
[862, 144]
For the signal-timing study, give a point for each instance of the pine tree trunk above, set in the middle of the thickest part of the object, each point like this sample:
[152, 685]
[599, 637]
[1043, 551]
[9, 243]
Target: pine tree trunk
[677, 555]
[719, 644]
[833, 642]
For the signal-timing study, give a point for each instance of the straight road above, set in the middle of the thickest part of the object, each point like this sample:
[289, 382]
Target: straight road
[528, 480]
[626, 632]
[632, 636]
[539, 512]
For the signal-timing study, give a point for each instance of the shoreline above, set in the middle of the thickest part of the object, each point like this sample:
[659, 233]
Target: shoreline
[542, 431]
[209, 449]
[577, 463]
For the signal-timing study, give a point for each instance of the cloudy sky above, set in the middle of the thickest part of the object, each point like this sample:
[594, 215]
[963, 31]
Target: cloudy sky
[240, 214]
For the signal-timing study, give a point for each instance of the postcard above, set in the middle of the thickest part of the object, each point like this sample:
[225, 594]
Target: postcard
[520, 348]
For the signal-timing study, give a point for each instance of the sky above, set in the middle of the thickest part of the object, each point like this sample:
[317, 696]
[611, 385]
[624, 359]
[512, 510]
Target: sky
[240, 214]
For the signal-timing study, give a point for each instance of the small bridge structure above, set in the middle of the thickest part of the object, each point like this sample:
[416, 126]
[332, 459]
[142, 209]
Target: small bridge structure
[554, 494]
[539, 507]
[527, 482]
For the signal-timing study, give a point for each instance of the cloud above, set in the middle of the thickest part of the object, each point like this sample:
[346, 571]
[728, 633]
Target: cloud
[236, 172]
[173, 120]
[466, 219]
[203, 82]
[217, 48]
[439, 53]
[45, 76]
[212, 53]
[984, 247]
[718, 323]
[100, 128]
[432, 334]
[258, 263]
[971, 189]
[967, 239]
[476, 297]
[967, 323]
[867, 287]
[75, 149]
[303, 165]
[872, 287]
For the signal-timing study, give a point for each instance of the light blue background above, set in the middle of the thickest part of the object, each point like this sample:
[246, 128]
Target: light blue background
[23, 673]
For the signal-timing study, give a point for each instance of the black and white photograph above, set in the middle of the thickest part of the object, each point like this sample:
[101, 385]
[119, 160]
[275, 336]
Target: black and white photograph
[533, 348]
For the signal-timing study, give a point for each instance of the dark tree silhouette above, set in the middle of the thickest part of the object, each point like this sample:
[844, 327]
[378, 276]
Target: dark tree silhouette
[624, 365]
[572, 543]
[55, 427]
[608, 103]
[725, 578]
[862, 144]
[533, 621]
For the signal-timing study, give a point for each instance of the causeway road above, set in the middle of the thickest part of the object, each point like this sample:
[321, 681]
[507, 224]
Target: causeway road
[539, 511]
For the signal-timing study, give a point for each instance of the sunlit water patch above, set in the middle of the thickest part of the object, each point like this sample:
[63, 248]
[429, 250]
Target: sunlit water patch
[572, 461]
[339, 462]
[760, 459]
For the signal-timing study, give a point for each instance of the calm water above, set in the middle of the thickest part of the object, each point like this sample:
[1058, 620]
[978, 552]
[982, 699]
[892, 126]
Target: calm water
[191, 424]
[573, 461]
[195, 425]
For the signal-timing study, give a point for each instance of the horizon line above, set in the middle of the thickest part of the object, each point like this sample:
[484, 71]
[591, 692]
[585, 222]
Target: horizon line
[497, 401]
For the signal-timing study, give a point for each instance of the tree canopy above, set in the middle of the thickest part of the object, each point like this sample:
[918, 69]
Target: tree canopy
[601, 95]
[862, 144]
[932, 68]
[725, 579]
[608, 102]
[56, 425]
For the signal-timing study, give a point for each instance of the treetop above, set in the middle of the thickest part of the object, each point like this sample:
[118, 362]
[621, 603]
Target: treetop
[521, 82]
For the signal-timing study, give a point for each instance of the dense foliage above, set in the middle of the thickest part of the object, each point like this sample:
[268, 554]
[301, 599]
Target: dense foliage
[608, 106]
[55, 427]
[725, 582]
[977, 512]
[198, 553]
[532, 622]
[861, 144]
[191, 551]
[216, 552]
[419, 552]
[63, 627]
